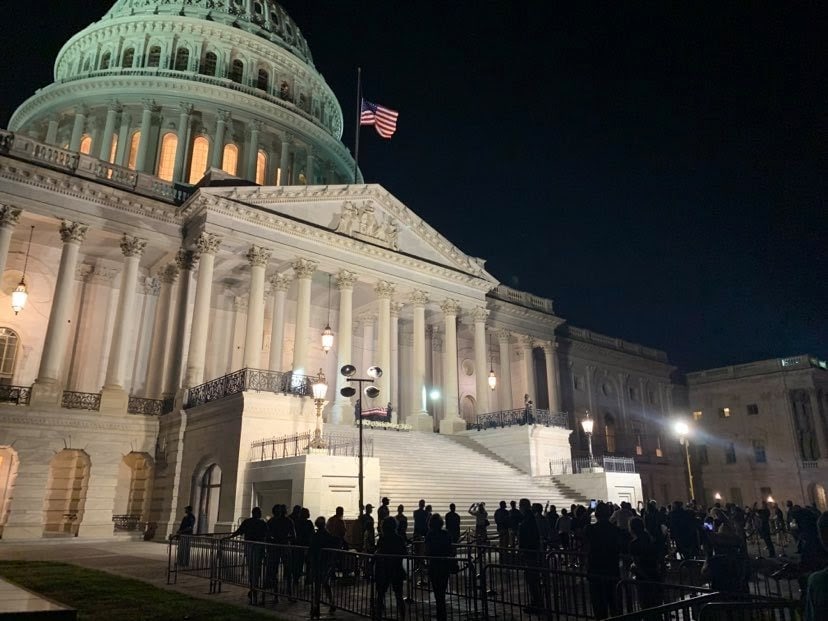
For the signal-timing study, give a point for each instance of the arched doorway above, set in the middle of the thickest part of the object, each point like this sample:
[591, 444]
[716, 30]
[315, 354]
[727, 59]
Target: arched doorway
[819, 497]
[66, 493]
[132, 496]
[609, 432]
[209, 493]
[467, 409]
[8, 474]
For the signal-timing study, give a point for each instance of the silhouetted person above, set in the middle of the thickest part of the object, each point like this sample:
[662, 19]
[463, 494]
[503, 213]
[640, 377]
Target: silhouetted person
[383, 511]
[514, 522]
[420, 521]
[254, 531]
[282, 534]
[366, 530]
[185, 528]
[531, 552]
[388, 567]
[481, 522]
[604, 542]
[336, 526]
[816, 595]
[321, 559]
[402, 522]
[304, 534]
[501, 518]
[453, 523]
[765, 528]
[684, 530]
[647, 558]
[438, 545]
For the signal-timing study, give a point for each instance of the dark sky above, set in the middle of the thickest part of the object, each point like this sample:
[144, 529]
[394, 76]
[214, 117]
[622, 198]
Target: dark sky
[658, 169]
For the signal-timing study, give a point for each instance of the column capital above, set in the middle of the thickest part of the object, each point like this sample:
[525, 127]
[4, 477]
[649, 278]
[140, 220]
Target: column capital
[503, 336]
[345, 279]
[186, 259]
[208, 243]
[82, 109]
[149, 105]
[185, 108]
[9, 216]
[256, 125]
[168, 274]
[385, 290]
[240, 303]
[450, 306]
[526, 341]
[396, 308]
[288, 138]
[365, 318]
[223, 116]
[115, 106]
[549, 347]
[258, 256]
[280, 282]
[72, 232]
[479, 314]
[419, 297]
[304, 268]
[132, 246]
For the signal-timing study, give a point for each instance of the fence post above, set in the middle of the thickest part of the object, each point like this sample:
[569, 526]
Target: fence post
[480, 572]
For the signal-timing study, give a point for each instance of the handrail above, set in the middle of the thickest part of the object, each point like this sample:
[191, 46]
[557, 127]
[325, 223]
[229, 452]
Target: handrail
[522, 416]
[147, 407]
[578, 465]
[258, 380]
[294, 445]
[72, 400]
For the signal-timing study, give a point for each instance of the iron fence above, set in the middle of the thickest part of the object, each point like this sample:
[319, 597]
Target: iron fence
[751, 611]
[19, 395]
[578, 465]
[81, 400]
[147, 407]
[257, 380]
[127, 523]
[298, 444]
[510, 418]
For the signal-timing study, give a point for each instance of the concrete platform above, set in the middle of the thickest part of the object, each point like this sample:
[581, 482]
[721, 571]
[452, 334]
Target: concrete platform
[19, 603]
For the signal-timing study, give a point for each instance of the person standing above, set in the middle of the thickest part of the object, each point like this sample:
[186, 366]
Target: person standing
[530, 545]
[382, 512]
[647, 558]
[816, 595]
[185, 528]
[514, 522]
[402, 522]
[336, 526]
[501, 518]
[604, 542]
[254, 531]
[321, 561]
[281, 534]
[420, 521]
[388, 567]
[481, 522]
[438, 547]
[453, 524]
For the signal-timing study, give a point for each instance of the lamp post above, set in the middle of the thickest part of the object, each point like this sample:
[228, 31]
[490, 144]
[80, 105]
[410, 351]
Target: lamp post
[587, 425]
[682, 430]
[372, 392]
[320, 391]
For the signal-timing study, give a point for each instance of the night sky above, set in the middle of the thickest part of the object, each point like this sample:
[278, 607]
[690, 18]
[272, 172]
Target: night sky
[657, 170]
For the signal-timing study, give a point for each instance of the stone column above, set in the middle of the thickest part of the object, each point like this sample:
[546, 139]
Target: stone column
[418, 417]
[9, 217]
[122, 152]
[552, 375]
[394, 398]
[451, 423]
[51, 131]
[506, 399]
[144, 140]
[186, 261]
[310, 165]
[284, 162]
[47, 389]
[184, 112]
[218, 140]
[278, 286]
[385, 291]
[114, 397]
[345, 281]
[109, 130]
[208, 246]
[158, 346]
[481, 369]
[258, 258]
[253, 149]
[304, 269]
[527, 343]
[367, 321]
[78, 127]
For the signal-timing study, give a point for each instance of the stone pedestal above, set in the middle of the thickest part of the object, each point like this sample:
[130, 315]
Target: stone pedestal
[421, 422]
[452, 426]
[46, 393]
[114, 400]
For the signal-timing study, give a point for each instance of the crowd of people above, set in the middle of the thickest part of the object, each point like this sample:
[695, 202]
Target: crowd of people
[602, 539]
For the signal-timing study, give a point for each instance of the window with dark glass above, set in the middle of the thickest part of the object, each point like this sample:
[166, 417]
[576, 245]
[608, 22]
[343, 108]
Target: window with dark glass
[105, 60]
[129, 58]
[210, 63]
[263, 80]
[237, 71]
[182, 59]
[154, 56]
[701, 454]
[9, 342]
[759, 452]
[752, 409]
[730, 454]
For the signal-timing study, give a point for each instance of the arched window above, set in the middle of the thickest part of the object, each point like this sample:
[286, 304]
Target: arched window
[166, 159]
[609, 432]
[86, 144]
[154, 56]
[198, 161]
[261, 167]
[210, 63]
[9, 342]
[237, 71]
[129, 58]
[257, 8]
[105, 60]
[230, 161]
[209, 489]
[182, 59]
[86, 64]
[263, 81]
[133, 150]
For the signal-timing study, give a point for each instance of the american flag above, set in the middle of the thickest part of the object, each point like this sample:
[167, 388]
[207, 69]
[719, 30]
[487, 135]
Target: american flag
[383, 119]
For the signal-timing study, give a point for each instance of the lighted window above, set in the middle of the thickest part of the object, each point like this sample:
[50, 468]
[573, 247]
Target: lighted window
[113, 150]
[639, 446]
[724, 413]
[133, 150]
[210, 63]
[105, 60]
[129, 58]
[263, 81]
[9, 342]
[730, 454]
[659, 452]
[182, 59]
[198, 161]
[237, 71]
[166, 159]
[752, 409]
[759, 452]
[230, 161]
[154, 56]
[697, 415]
[86, 144]
[261, 167]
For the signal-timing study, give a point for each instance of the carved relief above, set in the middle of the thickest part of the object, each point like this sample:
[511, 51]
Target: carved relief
[362, 223]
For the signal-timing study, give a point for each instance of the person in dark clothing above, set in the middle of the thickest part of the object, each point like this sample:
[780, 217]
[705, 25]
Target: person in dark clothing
[531, 552]
[514, 522]
[647, 558]
[382, 512]
[765, 528]
[501, 518]
[304, 534]
[185, 528]
[402, 522]
[321, 559]
[420, 521]
[604, 542]
[388, 567]
[366, 530]
[453, 524]
[254, 531]
[281, 533]
[655, 525]
[684, 530]
[438, 544]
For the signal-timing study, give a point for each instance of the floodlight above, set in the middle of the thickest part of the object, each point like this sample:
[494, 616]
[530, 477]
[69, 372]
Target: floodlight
[374, 372]
[348, 370]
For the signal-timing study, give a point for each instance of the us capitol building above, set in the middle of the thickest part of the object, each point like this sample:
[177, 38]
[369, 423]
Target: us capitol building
[194, 229]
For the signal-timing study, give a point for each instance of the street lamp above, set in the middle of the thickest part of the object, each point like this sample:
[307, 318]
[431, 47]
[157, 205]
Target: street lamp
[320, 391]
[372, 392]
[682, 430]
[587, 425]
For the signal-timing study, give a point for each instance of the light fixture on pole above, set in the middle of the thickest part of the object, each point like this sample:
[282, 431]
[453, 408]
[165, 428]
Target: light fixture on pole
[320, 391]
[587, 424]
[372, 392]
[492, 377]
[327, 333]
[682, 430]
[21, 294]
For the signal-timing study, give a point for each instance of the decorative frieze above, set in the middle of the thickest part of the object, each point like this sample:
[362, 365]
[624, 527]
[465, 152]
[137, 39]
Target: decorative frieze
[362, 223]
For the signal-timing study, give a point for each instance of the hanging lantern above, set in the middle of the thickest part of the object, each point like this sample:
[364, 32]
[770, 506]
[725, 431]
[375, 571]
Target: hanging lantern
[21, 294]
[327, 338]
[492, 379]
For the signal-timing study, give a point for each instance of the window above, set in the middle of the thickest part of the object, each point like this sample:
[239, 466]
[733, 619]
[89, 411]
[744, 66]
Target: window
[86, 144]
[230, 161]
[697, 415]
[133, 150]
[154, 56]
[257, 8]
[278, 179]
[752, 409]
[765, 492]
[659, 452]
[639, 447]
[105, 60]
[759, 452]
[166, 159]
[579, 383]
[182, 59]
[736, 496]
[701, 455]
[9, 342]
[210, 63]
[198, 161]
[263, 81]
[237, 71]
[261, 167]
[633, 393]
[129, 58]
[730, 454]
[724, 412]
[609, 432]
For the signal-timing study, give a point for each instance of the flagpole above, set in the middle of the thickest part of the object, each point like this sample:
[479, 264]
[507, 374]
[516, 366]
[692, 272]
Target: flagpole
[357, 126]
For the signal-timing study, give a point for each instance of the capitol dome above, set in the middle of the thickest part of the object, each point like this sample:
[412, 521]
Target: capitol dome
[175, 87]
